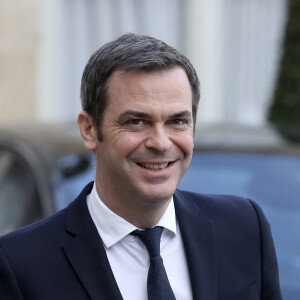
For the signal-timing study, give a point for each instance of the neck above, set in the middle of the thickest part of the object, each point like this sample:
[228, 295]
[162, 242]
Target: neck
[142, 213]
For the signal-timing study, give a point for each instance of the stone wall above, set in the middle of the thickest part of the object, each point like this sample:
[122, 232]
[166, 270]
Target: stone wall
[18, 58]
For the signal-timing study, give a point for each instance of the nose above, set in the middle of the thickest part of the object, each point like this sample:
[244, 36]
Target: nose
[158, 139]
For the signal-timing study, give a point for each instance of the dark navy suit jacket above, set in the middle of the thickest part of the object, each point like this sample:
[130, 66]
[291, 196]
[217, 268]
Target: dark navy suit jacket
[227, 241]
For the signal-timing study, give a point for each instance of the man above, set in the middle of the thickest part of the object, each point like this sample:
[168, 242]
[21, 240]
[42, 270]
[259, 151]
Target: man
[131, 234]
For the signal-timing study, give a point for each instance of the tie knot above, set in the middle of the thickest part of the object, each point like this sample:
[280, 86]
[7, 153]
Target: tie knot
[151, 239]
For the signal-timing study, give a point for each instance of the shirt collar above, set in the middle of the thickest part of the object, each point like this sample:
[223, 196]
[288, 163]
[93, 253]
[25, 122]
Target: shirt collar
[112, 228]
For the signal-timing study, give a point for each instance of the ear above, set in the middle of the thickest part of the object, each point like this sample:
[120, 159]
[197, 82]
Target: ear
[87, 130]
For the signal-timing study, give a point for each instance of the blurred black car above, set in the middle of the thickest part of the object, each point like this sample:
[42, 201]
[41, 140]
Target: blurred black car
[43, 168]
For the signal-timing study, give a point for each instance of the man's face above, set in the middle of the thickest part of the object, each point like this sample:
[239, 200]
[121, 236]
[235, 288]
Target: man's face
[147, 134]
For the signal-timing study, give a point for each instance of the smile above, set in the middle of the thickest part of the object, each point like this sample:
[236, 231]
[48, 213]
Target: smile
[153, 166]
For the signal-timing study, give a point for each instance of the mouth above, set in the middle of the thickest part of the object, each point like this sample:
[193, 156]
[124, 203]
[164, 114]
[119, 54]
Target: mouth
[153, 166]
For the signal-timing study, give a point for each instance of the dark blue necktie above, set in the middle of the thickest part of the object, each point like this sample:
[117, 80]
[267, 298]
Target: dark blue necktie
[158, 285]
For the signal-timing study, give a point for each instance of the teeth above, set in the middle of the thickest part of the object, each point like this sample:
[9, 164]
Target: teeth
[155, 166]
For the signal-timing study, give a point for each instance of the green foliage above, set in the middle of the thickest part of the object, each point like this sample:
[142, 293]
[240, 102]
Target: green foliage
[285, 110]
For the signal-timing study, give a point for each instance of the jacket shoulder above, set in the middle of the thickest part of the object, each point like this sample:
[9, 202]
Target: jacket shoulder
[218, 208]
[52, 226]
[216, 202]
[39, 233]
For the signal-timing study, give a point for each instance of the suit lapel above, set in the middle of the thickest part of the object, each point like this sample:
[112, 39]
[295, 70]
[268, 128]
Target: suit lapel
[86, 254]
[198, 237]
[87, 257]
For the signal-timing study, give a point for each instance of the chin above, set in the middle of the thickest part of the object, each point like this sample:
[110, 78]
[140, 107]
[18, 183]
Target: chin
[158, 193]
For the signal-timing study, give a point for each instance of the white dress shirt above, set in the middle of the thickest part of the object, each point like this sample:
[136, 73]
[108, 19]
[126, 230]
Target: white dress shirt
[128, 257]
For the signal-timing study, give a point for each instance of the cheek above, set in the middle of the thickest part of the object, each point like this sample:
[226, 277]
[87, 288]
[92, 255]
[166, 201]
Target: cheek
[126, 144]
[185, 142]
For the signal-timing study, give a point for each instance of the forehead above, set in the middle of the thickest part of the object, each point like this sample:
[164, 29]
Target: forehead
[141, 85]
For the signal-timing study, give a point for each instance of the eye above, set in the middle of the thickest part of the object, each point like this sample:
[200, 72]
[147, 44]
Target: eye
[136, 122]
[178, 121]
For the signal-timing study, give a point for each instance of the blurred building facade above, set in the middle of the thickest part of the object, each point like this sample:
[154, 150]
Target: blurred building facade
[234, 45]
[18, 59]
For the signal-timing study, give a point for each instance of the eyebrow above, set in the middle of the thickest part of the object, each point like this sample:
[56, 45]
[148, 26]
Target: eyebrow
[133, 113]
[181, 114]
[143, 115]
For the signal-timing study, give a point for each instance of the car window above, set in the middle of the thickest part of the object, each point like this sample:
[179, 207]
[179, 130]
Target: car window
[19, 203]
[273, 181]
